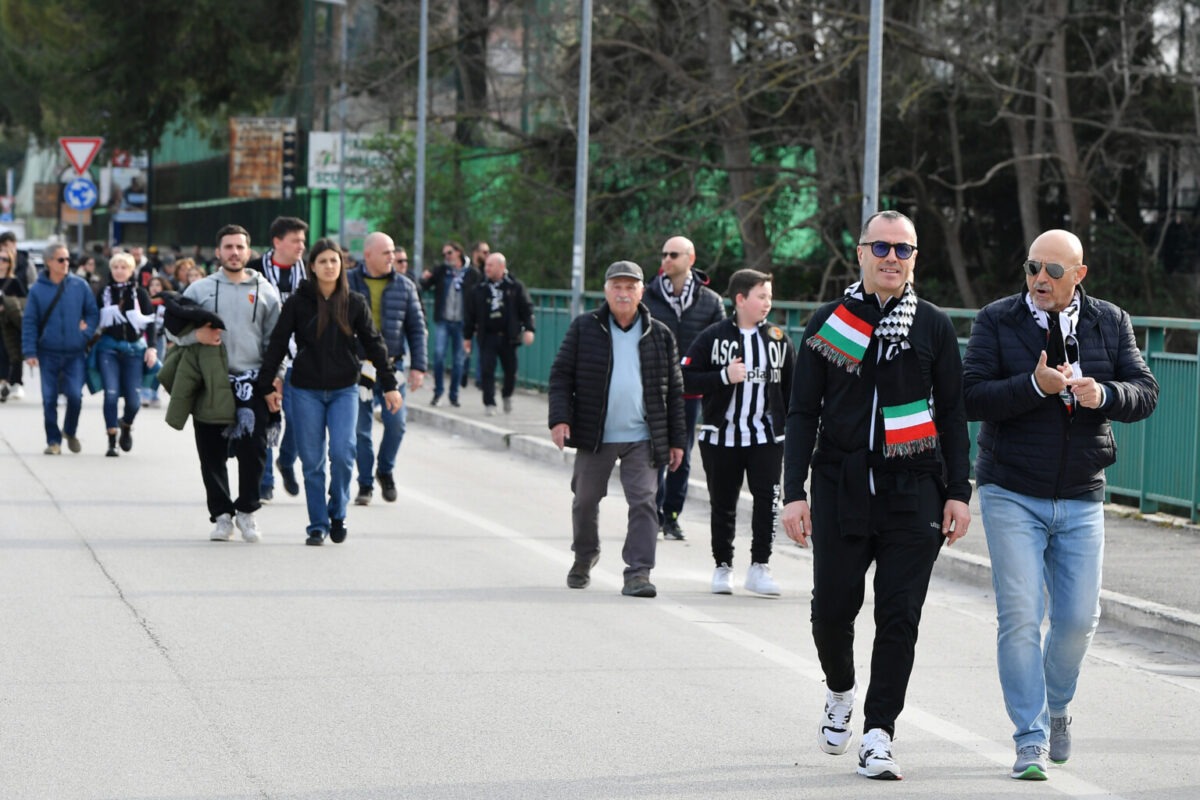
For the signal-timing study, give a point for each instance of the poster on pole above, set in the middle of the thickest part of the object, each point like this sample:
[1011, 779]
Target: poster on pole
[324, 151]
[123, 187]
[258, 167]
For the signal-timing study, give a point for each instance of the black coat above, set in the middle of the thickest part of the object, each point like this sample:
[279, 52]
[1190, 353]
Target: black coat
[706, 309]
[1030, 444]
[516, 309]
[437, 282]
[329, 361]
[581, 372]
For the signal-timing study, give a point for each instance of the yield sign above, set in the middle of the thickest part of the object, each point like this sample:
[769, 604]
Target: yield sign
[81, 150]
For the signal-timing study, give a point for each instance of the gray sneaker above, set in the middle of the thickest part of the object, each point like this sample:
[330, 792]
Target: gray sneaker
[1031, 763]
[1060, 739]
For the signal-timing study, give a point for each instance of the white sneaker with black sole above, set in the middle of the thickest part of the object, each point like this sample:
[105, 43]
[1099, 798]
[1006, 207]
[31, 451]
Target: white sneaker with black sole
[875, 756]
[833, 733]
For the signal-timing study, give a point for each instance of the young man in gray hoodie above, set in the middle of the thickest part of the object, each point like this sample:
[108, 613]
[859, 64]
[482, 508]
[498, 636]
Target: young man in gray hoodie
[248, 305]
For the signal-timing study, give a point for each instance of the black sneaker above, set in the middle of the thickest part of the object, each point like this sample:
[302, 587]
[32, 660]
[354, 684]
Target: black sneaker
[639, 586]
[580, 574]
[437, 399]
[454, 402]
[266, 494]
[126, 439]
[316, 538]
[288, 475]
[363, 498]
[337, 531]
[387, 486]
[671, 529]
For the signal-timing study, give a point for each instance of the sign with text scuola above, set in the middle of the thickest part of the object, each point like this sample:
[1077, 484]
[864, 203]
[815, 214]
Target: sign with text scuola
[362, 163]
[257, 148]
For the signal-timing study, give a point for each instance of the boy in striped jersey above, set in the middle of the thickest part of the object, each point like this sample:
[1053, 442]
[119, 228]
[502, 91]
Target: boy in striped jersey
[743, 367]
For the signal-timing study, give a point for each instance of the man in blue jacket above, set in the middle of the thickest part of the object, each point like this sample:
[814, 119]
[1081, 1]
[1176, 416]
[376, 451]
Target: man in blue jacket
[60, 317]
[1045, 371]
[396, 311]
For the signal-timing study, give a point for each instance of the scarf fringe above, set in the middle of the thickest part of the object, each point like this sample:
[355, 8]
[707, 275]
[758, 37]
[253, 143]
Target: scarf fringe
[834, 356]
[906, 449]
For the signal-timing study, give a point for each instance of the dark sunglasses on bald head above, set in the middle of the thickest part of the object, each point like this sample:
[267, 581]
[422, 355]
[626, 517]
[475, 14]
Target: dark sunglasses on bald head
[1056, 271]
[904, 250]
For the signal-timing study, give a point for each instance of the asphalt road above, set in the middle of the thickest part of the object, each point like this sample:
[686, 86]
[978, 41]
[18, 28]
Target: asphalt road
[437, 653]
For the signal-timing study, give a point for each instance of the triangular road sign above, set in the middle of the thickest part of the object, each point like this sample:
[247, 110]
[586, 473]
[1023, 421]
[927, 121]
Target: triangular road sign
[81, 150]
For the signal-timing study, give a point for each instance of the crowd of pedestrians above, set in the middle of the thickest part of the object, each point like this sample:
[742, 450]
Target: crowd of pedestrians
[854, 437]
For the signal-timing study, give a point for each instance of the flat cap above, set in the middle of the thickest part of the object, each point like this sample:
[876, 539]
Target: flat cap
[624, 269]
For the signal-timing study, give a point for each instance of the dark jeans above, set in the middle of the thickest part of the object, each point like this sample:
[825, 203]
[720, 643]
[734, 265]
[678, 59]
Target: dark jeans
[61, 372]
[495, 347]
[251, 453]
[120, 365]
[672, 486]
[724, 468]
[904, 544]
[448, 340]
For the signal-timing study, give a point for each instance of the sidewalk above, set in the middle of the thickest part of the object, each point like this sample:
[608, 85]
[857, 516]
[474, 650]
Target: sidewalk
[1149, 565]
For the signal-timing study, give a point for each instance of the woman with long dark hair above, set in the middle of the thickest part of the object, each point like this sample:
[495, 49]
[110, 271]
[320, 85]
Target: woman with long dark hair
[121, 350]
[330, 323]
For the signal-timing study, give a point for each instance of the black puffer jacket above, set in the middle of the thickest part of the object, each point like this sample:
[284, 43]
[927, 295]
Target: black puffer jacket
[581, 372]
[1030, 444]
[706, 309]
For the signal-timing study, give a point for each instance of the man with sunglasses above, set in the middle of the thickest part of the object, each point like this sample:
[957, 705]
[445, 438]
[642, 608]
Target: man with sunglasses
[680, 298]
[1046, 370]
[60, 316]
[452, 282]
[396, 311]
[877, 413]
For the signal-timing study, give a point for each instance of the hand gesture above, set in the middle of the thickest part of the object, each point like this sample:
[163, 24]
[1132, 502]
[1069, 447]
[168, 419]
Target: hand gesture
[736, 371]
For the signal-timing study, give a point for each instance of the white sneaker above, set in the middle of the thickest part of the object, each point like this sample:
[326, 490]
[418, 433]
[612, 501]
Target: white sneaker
[248, 527]
[722, 582]
[223, 531]
[489, 411]
[833, 732]
[875, 756]
[507, 405]
[759, 580]
[18, 392]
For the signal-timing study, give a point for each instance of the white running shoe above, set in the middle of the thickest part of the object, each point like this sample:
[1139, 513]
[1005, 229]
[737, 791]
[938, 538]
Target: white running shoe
[833, 732]
[223, 531]
[759, 580]
[249, 528]
[17, 393]
[875, 756]
[722, 582]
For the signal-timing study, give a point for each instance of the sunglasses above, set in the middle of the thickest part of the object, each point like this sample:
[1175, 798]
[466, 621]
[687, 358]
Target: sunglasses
[904, 250]
[60, 260]
[671, 254]
[401, 260]
[1056, 271]
[448, 253]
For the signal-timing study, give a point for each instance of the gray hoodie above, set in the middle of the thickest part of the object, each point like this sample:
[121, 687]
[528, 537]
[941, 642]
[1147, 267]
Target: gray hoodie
[249, 310]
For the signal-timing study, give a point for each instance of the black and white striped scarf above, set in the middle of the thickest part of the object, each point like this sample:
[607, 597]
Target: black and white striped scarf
[271, 273]
[687, 295]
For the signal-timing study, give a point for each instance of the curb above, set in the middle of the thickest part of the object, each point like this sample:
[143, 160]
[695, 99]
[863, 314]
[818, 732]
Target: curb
[1162, 625]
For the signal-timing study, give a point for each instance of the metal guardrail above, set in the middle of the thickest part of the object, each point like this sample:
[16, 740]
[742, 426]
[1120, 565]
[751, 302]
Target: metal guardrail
[1159, 458]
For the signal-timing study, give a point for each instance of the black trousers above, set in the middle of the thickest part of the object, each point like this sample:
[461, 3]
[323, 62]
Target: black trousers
[904, 540]
[761, 465]
[493, 347]
[251, 454]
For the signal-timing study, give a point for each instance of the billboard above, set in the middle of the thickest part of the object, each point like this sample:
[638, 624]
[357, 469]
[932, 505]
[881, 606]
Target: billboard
[262, 157]
[362, 163]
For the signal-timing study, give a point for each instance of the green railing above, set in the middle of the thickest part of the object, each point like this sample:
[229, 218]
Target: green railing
[1159, 463]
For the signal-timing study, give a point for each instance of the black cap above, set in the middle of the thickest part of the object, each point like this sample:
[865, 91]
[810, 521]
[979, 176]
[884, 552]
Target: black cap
[624, 269]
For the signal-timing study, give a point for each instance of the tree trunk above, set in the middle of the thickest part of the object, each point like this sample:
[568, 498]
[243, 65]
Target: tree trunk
[1079, 196]
[472, 71]
[735, 141]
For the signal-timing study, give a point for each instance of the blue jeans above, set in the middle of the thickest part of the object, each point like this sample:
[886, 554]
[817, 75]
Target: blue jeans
[314, 412]
[393, 433]
[287, 443]
[673, 486]
[120, 365]
[61, 372]
[1042, 547]
[448, 335]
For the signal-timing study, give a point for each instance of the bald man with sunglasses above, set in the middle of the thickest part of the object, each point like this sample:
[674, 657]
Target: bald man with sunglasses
[1046, 370]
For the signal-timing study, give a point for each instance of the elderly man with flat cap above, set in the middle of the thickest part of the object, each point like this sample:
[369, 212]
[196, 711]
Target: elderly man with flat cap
[616, 394]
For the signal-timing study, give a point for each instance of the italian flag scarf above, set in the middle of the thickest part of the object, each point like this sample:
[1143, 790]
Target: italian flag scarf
[902, 395]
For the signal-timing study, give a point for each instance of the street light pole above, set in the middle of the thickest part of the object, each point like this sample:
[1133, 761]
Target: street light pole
[581, 158]
[870, 199]
[418, 253]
